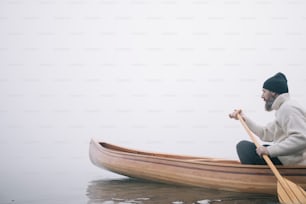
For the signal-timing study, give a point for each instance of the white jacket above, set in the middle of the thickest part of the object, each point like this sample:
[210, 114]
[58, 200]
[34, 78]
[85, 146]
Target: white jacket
[287, 131]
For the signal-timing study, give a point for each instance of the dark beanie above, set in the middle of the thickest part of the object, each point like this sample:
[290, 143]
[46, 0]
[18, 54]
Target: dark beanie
[277, 83]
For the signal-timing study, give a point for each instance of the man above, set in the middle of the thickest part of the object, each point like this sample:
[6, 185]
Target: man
[287, 131]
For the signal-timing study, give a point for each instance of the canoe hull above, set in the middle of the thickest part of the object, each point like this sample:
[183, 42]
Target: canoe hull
[193, 171]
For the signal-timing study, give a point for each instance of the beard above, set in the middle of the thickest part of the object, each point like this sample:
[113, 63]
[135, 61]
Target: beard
[269, 102]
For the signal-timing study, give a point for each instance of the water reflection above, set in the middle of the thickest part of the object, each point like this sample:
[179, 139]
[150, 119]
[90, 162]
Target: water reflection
[131, 191]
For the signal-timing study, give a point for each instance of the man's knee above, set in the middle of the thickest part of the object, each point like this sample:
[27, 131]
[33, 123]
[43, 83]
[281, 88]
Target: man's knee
[244, 145]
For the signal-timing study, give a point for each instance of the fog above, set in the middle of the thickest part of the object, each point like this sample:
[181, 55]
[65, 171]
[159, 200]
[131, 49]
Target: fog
[154, 75]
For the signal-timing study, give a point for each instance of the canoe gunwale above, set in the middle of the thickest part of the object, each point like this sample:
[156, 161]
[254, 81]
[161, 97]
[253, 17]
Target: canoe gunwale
[188, 159]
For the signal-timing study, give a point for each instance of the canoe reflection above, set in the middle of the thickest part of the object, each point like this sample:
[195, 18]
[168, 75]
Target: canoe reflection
[131, 191]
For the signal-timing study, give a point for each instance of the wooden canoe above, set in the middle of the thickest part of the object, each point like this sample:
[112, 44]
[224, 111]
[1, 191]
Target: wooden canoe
[203, 172]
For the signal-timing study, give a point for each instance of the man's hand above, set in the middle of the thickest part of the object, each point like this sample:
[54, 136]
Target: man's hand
[262, 151]
[234, 115]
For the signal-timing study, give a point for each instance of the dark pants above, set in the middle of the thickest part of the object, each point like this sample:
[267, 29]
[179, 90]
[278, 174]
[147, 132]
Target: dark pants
[247, 154]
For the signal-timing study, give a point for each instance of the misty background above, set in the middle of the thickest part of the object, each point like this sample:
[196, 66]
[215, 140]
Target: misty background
[153, 75]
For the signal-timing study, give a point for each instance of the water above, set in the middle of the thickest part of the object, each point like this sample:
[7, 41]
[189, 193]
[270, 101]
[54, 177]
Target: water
[131, 191]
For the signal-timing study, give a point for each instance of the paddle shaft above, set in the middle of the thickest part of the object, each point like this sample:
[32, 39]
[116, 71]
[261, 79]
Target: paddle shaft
[265, 157]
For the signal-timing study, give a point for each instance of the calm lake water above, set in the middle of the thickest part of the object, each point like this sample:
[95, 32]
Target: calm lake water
[69, 177]
[135, 191]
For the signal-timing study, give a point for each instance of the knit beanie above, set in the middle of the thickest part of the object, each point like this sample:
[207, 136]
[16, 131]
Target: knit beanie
[277, 83]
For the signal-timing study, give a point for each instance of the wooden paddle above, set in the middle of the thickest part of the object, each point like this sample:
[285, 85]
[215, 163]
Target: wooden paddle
[288, 192]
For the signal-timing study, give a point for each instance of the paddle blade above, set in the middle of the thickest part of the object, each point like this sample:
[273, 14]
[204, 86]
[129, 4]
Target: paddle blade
[290, 193]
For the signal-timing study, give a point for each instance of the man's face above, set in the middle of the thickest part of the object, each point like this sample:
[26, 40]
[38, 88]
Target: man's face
[269, 97]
